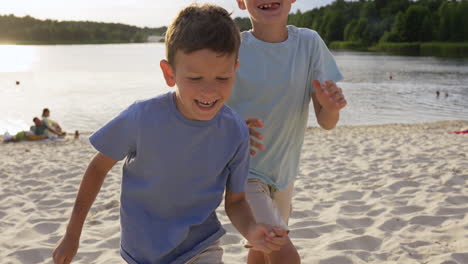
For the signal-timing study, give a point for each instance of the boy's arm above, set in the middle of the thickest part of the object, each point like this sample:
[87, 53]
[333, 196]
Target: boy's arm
[328, 100]
[89, 188]
[262, 237]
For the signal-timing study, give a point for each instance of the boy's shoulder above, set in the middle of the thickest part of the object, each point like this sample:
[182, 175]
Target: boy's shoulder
[233, 120]
[303, 33]
[151, 104]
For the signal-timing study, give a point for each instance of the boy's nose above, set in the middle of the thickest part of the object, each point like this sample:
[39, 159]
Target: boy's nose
[208, 88]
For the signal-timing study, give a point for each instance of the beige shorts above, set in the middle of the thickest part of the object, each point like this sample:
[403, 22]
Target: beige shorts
[211, 255]
[270, 205]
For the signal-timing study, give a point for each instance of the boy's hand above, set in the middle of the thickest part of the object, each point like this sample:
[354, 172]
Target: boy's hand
[65, 250]
[254, 134]
[266, 238]
[329, 95]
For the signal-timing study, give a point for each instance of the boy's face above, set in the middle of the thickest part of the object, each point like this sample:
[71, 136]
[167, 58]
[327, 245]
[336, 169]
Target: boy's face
[267, 11]
[204, 81]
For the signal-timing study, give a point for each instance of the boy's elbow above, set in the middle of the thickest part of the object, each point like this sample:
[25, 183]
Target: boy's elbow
[233, 200]
[327, 126]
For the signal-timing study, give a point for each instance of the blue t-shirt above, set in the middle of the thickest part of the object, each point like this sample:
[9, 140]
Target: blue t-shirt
[274, 83]
[174, 176]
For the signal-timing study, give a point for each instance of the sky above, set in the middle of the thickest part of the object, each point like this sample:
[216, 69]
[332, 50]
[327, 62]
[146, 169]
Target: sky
[149, 13]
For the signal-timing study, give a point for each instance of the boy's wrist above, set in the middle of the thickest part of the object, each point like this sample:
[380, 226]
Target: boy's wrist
[73, 234]
[329, 111]
[250, 230]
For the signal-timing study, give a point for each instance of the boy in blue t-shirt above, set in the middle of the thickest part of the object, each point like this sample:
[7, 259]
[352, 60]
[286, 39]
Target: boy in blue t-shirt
[183, 150]
[283, 68]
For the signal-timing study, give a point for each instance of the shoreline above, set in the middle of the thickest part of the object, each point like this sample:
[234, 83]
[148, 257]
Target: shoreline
[393, 193]
[86, 133]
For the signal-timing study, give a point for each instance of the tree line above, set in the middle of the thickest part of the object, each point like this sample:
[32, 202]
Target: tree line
[30, 30]
[370, 22]
[363, 22]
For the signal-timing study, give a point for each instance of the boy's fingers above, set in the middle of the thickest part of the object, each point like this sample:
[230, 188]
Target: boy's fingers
[253, 152]
[257, 144]
[255, 133]
[342, 103]
[317, 86]
[273, 247]
[280, 231]
[333, 89]
[278, 241]
[254, 122]
[262, 248]
[337, 96]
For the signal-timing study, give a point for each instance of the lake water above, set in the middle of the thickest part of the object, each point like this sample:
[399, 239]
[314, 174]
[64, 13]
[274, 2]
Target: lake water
[86, 85]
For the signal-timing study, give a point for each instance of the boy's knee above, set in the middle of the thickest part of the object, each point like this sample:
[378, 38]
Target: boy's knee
[287, 254]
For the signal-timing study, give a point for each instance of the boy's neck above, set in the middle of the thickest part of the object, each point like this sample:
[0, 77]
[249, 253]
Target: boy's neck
[272, 34]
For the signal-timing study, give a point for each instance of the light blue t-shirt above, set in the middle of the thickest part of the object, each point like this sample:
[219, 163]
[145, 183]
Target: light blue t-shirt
[274, 83]
[174, 176]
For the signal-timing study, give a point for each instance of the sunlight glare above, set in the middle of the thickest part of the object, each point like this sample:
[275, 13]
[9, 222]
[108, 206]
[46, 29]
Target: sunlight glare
[16, 58]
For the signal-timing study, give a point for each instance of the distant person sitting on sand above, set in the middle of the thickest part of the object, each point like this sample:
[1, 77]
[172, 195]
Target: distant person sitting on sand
[41, 128]
[50, 123]
[22, 135]
[37, 132]
[437, 94]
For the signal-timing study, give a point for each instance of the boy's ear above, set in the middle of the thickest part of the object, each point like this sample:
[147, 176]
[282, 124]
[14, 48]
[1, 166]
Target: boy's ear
[241, 4]
[168, 73]
[237, 65]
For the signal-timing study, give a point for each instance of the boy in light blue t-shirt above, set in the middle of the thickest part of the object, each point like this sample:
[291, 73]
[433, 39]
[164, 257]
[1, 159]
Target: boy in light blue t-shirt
[183, 150]
[282, 69]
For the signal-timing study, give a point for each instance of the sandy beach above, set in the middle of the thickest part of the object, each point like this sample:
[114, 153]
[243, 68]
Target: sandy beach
[365, 194]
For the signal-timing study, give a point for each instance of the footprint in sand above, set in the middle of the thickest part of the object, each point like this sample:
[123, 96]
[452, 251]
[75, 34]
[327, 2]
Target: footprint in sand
[354, 223]
[395, 187]
[376, 212]
[336, 260]
[460, 257]
[407, 210]
[352, 209]
[457, 200]
[230, 239]
[392, 225]
[427, 220]
[306, 223]
[453, 211]
[417, 244]
[367, 243]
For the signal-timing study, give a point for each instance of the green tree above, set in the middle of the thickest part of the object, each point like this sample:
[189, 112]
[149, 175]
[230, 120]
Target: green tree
[349, 30]
[463, 11]
[335, 25]
[414, 22]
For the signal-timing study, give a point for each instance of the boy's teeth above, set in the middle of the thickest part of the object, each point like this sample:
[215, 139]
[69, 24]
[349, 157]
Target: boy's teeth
[206, 103]
[265, 6]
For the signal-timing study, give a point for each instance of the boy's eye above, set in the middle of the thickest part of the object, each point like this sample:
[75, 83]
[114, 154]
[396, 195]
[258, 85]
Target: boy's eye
[194, 78]
[222, 78]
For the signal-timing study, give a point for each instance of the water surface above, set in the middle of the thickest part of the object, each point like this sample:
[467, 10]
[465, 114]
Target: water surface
[86, 85]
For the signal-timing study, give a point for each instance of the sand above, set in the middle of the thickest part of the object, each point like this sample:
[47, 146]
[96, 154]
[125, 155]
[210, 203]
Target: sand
[366, 194]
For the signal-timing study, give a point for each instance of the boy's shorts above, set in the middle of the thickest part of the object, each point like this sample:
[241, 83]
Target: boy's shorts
[270, 205]
[211, 255]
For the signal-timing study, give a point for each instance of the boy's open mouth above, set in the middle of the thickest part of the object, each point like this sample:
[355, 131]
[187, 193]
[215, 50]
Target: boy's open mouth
[206, 104]
[269, 6]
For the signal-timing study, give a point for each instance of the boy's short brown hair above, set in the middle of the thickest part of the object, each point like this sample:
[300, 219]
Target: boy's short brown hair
[199, 27]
